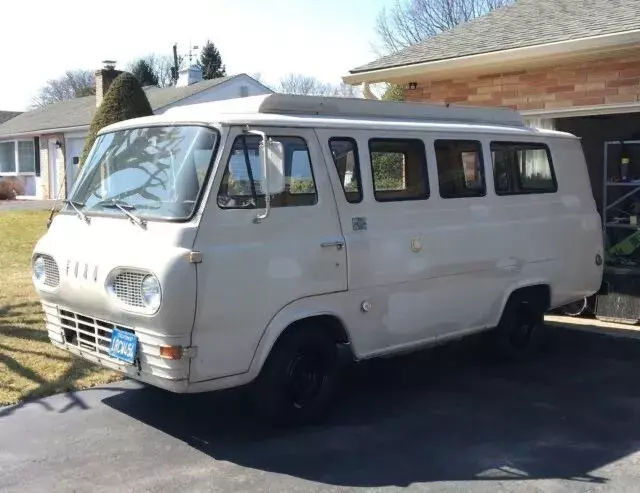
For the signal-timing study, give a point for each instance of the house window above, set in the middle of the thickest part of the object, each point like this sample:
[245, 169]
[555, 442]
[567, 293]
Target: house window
[521, 167]
[17, 157]
[8, 157]
[26, 157]
[460, 168]
[399, 169]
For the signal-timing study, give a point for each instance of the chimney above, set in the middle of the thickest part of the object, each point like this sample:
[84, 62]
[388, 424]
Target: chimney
[189, 76]
[104, 77]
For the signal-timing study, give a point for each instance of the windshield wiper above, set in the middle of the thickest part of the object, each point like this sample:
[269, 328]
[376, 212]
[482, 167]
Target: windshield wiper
[76, 207]
[126, 209]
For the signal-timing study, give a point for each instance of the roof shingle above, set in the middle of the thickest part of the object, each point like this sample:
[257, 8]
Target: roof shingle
[8, 115]
[79, 112]
[526, 23]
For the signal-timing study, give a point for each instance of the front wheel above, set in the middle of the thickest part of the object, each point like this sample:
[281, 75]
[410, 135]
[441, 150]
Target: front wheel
[299, 378]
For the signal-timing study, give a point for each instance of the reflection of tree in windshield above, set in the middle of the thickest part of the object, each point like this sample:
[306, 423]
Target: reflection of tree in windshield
[153, 168]
[146, 151]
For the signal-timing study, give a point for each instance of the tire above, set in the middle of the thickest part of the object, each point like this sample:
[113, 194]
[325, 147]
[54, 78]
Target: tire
[299, 379]
[521, 333]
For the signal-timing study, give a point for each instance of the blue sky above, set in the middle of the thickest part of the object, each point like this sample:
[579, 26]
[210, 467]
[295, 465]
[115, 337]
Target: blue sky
[324, 38]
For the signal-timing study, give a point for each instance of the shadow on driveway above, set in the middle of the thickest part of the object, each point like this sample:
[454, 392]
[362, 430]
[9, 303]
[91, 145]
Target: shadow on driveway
[444, 414]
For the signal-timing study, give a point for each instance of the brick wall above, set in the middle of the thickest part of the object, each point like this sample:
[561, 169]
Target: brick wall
[608, 80]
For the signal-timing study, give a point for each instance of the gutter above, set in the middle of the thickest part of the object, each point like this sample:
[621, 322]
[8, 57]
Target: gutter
[46, 131]
[498, 59]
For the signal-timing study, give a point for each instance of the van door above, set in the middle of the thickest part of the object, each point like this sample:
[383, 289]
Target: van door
[386, 227]
[249, 271]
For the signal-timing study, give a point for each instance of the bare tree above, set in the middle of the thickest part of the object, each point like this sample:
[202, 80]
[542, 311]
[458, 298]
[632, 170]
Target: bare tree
[346, 91]
[408, 22]
[305, 85]
[310, 86]
[73, 84]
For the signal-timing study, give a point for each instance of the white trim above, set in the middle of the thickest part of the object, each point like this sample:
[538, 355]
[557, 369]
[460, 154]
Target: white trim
[605, 109]
[39, 133]
[504, 58]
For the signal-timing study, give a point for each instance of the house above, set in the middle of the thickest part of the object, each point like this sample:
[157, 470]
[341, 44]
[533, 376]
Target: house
[571, 65]
[42, 146]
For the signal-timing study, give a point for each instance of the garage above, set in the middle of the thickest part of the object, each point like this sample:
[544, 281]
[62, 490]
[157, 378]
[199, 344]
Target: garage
[611, 145]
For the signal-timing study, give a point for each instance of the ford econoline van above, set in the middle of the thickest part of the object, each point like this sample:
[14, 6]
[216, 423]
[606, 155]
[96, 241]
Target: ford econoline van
[256, 240]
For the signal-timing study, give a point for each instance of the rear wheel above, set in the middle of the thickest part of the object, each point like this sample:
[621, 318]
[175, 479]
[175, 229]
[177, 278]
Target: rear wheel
[521, 332]
[299, 378]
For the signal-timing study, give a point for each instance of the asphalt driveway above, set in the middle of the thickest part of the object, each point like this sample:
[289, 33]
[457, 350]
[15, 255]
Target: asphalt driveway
[443, 420]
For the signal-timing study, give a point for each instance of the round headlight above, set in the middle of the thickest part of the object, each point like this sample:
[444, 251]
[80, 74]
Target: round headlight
[39, 270]
[151, 294]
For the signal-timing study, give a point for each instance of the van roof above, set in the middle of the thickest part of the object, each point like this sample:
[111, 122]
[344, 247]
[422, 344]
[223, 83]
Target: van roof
[317, 111]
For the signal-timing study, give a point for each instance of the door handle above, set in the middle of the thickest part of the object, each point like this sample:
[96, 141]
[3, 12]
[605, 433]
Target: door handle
[338, 244]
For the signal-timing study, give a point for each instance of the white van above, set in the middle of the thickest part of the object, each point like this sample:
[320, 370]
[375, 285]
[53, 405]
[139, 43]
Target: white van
[251, 240]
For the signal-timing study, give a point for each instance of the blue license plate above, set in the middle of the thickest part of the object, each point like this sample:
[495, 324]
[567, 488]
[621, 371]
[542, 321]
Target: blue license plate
[124, 346]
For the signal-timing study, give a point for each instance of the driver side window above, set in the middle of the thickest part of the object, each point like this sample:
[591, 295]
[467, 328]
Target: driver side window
[242, 184]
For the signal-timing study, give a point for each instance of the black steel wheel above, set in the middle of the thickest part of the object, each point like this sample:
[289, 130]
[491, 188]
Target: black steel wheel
[298, 380]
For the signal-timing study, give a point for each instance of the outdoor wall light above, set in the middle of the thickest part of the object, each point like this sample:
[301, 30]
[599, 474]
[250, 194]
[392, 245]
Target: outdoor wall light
[413, 86]
[58, 144]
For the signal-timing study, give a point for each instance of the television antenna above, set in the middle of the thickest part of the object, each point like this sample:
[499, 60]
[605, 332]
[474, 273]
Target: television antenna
[192, 48]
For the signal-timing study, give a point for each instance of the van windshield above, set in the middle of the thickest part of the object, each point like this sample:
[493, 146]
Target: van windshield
[155, 172]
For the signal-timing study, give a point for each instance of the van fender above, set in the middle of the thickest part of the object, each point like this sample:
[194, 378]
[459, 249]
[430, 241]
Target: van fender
[520, 284]
[331, 305]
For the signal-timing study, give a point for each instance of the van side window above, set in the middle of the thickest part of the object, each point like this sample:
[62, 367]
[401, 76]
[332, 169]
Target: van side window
[399, 169]
[344, 151]
[460, 168]
[242, 182]
[522, 167]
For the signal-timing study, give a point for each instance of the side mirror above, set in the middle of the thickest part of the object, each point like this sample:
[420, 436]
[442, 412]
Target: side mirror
[274, 176]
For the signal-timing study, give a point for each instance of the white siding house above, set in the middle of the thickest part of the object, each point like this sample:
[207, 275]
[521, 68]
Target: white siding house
[42, 147]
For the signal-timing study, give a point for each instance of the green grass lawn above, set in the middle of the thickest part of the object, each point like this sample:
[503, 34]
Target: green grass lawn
[30, 366]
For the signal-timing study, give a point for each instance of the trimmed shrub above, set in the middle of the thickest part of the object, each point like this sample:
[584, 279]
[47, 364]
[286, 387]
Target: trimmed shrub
[124, 100]
[10, 187]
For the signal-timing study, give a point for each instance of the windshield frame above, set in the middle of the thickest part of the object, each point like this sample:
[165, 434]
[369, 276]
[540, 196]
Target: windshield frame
[67, 210]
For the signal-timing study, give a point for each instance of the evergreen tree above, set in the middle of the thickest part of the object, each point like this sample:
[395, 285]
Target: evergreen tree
[211, 62]
[394, 92]
[124, 100]
[144, 72]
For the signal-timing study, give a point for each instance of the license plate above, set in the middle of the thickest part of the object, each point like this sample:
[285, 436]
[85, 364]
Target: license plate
[124, 346]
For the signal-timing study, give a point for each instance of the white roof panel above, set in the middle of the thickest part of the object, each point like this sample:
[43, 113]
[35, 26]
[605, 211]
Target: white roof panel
[284, 104]
[322, 112]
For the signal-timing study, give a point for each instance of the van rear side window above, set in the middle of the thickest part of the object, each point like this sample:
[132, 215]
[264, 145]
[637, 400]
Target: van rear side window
[522, 167]
[460, 168]
[399, 169]
[344, 151]
[242, 183]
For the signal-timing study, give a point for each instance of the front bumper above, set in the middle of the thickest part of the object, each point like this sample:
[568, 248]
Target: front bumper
[89, 338]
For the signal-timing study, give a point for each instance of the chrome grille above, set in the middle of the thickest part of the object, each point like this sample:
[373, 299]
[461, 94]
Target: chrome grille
[127, 286]
[52, 274]
[87, 333]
